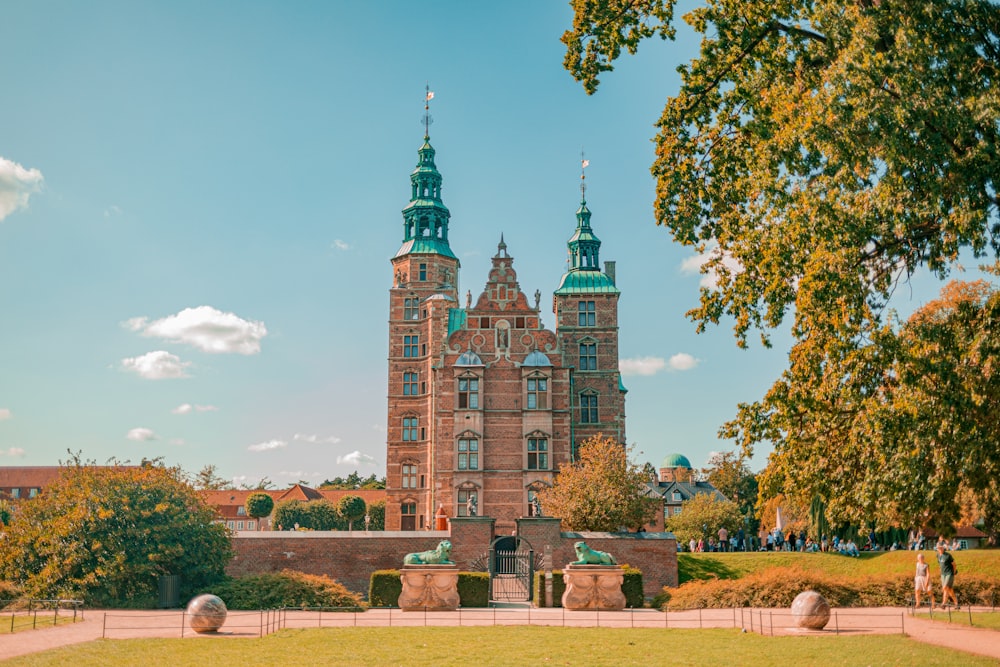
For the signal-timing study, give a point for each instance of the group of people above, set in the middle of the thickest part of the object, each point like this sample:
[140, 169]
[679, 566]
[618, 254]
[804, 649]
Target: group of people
[922, 580]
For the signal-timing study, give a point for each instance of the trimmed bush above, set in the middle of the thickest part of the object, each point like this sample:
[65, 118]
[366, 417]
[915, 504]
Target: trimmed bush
[384, 588]
[632, 587]
[474, 589]
[558, 588]
[777, 587]
[287, 588]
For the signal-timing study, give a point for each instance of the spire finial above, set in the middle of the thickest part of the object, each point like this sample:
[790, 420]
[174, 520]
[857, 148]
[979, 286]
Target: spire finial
[428, 96]
[584, 163]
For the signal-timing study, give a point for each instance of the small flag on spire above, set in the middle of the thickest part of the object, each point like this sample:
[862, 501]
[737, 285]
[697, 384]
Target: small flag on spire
[585, 163]
[430, 95]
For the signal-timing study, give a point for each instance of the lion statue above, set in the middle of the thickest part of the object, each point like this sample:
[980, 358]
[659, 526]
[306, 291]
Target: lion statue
[587, 556]
[440, 556]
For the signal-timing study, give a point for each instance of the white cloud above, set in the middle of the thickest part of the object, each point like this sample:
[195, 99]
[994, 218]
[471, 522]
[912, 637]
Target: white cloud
[315, 439]
[4, 414]
[709, 278]
[185, 408]
[12, 452]
[642, 366]
[112, 211]
[17, 184]
[141, 434]
[158, 365]
[341, 245]
[683, 361]
[206, 329]
[356, 458]
[268, 446]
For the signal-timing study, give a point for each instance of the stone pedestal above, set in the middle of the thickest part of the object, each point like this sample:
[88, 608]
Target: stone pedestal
[811, 610]
[593, 587]
[429, 588]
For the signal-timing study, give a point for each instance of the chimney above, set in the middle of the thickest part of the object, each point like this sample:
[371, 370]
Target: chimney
[609, 270]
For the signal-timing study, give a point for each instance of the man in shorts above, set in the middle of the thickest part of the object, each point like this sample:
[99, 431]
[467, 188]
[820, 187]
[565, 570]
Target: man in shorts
[948, 572]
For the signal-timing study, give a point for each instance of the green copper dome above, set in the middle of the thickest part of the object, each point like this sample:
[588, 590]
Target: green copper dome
[676, 461]
[585, 275]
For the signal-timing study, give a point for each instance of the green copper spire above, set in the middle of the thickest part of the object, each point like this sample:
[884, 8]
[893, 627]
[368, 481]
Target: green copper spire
[425, 218]
[585, 275]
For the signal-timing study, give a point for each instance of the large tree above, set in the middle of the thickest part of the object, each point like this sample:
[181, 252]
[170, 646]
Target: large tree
[106, 533]
[702, 516]
[351, 508]
[818, 153]
[602, 490]
[259, 505]
[729, 473]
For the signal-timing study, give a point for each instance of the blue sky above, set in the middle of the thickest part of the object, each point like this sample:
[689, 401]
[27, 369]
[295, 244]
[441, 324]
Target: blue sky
[198, 203]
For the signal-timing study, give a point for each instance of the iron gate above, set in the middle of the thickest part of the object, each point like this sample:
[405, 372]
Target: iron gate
[511, 569]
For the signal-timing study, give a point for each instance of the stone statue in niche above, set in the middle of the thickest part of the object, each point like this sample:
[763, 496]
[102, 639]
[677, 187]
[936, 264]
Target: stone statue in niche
[538, 299]
[502, 338]
[471, 507]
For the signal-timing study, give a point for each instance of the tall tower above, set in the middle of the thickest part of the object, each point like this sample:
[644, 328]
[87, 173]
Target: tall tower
[424, 289]
[586, 309]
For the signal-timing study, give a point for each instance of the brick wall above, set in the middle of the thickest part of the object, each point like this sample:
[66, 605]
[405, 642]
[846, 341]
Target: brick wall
[351, 557]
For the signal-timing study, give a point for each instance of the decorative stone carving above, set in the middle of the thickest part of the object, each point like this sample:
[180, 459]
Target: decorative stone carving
[593, 587]
[429, 587]
[811, 610]
[207, 613]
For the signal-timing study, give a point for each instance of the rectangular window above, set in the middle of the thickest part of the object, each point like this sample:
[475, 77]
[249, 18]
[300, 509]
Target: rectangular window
[463, 501]
[677, 510]
[411, 308]
[409, 476]
[408, 516]
[484, 323]
[409, 429]
[588, 408]
[586, 314]
[251, 525]
[409, 384]
[15, 493]
[538, 394]
[468, 454]
[231, 525]
[32, 493]
[241, 511]
[239, 525]
[468, 393]
[423, 272]
[676, 496]
[538, 454]
[410, 344]
[518, 322]
[588, 356]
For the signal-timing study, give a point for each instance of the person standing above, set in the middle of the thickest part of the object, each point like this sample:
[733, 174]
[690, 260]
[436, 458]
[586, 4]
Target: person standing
[723, 539]
[948, 572]
[922, 582]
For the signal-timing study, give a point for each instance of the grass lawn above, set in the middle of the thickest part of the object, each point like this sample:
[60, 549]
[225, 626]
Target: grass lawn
[989, 619]
[503, 646]
[20, 622]
[985, 562]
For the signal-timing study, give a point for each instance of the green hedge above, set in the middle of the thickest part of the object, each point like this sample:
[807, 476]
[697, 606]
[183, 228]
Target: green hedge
[631, 587]
[384, 588]
[777, 587]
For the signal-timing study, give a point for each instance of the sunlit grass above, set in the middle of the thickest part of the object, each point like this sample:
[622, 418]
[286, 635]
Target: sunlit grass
[11, 622]
[503, 646]
[989, 619]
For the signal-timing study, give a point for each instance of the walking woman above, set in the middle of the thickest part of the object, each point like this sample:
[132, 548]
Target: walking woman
[922, 582]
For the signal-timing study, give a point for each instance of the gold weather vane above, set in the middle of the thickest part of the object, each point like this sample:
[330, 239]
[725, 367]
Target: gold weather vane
[428, 96]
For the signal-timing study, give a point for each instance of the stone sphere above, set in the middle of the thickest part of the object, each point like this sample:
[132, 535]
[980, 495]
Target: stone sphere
[207, 613]
[811, 610]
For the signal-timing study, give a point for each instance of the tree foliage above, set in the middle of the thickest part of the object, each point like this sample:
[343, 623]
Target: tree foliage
[259, 505]
[107, 533]
[918, 441]
[729, 473]
[702, 516]
[602, 490]
[354, 481]
[817, 154]
[351, 508]
[207, 479]
[376, 511]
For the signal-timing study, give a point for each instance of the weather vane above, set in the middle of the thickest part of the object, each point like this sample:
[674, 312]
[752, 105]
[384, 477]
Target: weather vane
[427, 120]
[584, 163]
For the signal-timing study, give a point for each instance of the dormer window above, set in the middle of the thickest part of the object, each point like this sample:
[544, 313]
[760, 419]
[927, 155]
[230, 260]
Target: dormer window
[468, 393]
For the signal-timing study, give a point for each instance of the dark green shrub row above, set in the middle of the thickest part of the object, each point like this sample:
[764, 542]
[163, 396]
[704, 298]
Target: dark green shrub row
[384, 588]
[777, 587]
[631, 587]
[287, 588]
